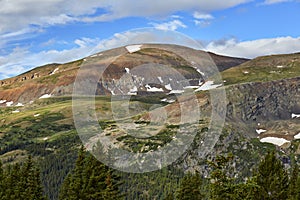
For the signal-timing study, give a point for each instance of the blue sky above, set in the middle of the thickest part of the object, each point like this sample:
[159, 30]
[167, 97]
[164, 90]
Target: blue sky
[34, 32]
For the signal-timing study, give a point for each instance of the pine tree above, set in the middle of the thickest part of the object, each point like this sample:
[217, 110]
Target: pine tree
[22, 182]
[190, 187]
[30, 181]
[294, 184]
[90, 179]
[272, 179]
[222, 186]
[2, 181]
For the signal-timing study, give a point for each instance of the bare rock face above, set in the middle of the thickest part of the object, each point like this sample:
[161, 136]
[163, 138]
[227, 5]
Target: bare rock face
[274, 100]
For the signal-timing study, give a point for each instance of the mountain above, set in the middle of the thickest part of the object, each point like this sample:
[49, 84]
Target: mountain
[58, 79]
[262, 108]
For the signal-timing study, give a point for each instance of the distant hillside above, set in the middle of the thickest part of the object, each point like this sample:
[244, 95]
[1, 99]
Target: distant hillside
[265, 68]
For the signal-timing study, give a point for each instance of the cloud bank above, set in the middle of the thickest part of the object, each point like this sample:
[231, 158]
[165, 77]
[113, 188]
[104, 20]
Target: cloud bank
[21, 14]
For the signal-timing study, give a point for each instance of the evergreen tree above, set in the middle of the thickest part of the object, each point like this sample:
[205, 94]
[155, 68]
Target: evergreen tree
[30, 181]
[90, 179]
[222, 185]
[2, 181]
[246, 191]
[294, 184]
[190, 187]
[272, 178]
[22, 182]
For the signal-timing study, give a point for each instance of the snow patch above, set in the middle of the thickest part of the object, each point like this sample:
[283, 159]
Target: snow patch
[9, 103]
[15, 111]
[274, 140]
[133, 91]
[54, 71]
[45, 96]
[296, 137]
[295, 115]
[259, 131]
[176, 92]
[160, 79]
[95, 55]
[45, 138]
[36, 115]
[20, 104]
[280, 66]
[168, 100]
[133, 48]
[2, 101]
[208, 86]
[168, 87]
[127, 70]
[191, 87]
[153, 89]
[198, 70]
[245, 72]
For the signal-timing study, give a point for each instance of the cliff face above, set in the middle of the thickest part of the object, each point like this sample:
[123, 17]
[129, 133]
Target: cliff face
[260, 101]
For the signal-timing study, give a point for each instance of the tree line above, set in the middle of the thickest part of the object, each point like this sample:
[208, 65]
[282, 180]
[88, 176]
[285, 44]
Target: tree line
[92, 180]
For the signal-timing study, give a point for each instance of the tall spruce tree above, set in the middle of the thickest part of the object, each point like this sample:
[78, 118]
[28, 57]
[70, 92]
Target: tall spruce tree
[271, 178]
[22, 182]
[90, 179]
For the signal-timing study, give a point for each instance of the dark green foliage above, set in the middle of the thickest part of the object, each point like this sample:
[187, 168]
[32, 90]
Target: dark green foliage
[160, 184]
[222, 186]
[190, 187]
[21, 182]
[271, 178]
[90, 179]
[294, 184]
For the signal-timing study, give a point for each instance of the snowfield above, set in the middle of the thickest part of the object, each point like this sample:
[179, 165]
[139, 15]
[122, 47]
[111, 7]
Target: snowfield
[20, 105]
[45, 96]
[208, 86]
[2, 101]
[127, 70]
[54, 71]
[295, 115]
[296, 137]
[133, 48]
[153, 89]
[274, 140]
[8, 104]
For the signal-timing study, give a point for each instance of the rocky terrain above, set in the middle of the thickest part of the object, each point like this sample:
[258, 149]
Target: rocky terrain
[262, 106]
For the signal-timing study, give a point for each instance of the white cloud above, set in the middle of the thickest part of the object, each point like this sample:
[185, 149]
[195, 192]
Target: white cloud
[16, 15]
[202, 23]
[269, 2]
[172, 25]
[254, 48]
[202, 19]
[199, 15]
[21, 59]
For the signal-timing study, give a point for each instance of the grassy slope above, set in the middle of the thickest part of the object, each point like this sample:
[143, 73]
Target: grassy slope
[264, 69]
